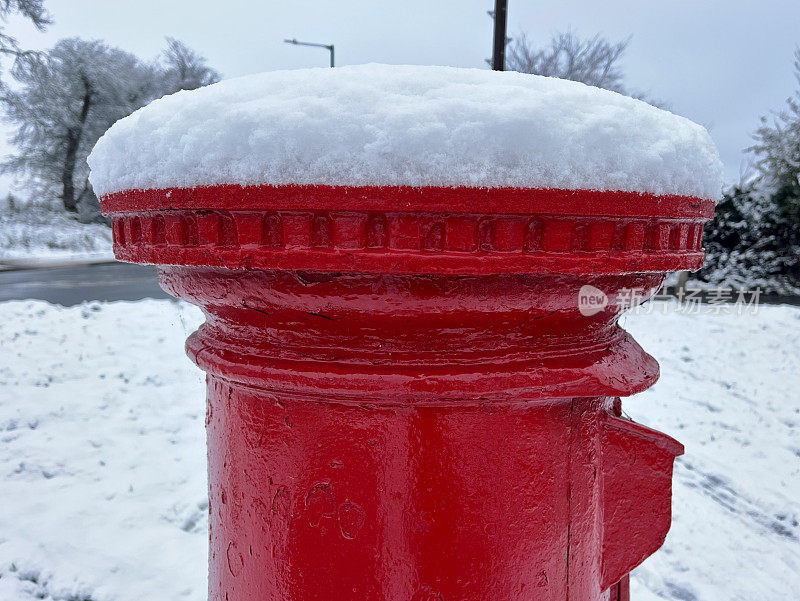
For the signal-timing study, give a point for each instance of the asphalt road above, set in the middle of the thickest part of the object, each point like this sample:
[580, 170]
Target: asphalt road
[72, 285]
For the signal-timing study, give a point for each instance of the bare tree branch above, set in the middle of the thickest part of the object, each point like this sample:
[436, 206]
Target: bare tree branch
[594, 61]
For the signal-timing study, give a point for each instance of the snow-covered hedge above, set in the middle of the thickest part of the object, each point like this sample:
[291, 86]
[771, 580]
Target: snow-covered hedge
[38, 230]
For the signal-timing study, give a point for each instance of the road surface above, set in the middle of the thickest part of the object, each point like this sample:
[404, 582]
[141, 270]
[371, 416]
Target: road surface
[72, 285]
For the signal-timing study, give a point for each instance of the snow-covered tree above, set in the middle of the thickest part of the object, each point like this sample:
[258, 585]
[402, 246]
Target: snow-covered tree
[777, 147]
[185, 69]
[33, 10]
[70, 95]
[755, 235]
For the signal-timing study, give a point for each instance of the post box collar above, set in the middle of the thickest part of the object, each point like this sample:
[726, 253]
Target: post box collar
[405, 229]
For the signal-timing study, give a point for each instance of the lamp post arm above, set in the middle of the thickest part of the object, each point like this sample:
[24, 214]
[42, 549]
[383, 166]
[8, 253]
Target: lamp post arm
[296, 42]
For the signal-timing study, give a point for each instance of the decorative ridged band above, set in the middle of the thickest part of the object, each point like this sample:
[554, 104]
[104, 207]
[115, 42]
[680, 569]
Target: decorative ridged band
[645, 236]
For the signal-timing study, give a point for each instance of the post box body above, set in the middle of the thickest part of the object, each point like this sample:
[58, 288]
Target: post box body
[405, 401]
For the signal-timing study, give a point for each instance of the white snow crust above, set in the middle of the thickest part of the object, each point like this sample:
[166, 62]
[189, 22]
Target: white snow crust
[406, 125]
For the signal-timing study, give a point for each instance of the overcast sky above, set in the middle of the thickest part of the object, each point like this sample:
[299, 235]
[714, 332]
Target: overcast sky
[721, 63]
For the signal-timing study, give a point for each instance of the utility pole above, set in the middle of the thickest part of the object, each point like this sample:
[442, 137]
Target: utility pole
[500, 17]
[297, 43]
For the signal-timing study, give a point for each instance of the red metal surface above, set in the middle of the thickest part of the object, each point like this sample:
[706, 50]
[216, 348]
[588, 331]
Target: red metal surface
[469, 231]
[404, 400]
[621, 591]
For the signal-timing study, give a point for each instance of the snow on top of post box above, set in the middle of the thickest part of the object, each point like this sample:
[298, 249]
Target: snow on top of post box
[406, 125]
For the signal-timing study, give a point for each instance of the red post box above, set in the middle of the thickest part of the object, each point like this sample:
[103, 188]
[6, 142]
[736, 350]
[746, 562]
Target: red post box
[413, 391]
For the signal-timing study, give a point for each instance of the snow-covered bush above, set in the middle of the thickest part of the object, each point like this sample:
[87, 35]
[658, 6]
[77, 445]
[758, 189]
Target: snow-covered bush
[36, 229]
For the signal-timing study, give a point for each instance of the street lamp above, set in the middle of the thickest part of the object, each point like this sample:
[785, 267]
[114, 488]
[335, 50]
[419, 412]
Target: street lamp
[499, 47]
[298, 43]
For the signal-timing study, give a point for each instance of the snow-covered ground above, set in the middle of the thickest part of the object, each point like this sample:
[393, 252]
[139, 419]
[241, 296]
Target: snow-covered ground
[41, 234]
[102, 456]
[730, 392]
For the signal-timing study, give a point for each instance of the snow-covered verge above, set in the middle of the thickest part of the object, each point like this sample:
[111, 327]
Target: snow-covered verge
[729, 392]
[102, 457]
[37, 232]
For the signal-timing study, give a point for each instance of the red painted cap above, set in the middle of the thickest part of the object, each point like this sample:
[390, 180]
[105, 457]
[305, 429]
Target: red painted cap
[404, 229]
